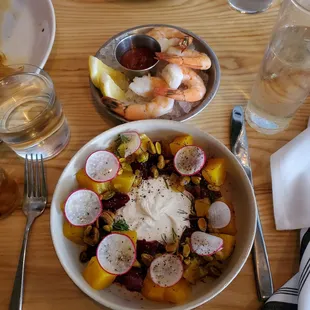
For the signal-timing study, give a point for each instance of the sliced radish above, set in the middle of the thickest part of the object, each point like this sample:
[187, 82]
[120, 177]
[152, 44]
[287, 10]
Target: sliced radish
[131, 141]
[189, 160]
[166, 270]
[116, 254]
[83, 207]
[219, 214]
[102, 166]
[204, 244]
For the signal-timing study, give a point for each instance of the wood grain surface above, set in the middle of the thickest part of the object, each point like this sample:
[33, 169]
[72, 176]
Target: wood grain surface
[82, 27]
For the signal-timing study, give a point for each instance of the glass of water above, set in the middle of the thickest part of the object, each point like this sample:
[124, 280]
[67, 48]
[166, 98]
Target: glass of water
[283, 82]
[31, 117]
[250, 6]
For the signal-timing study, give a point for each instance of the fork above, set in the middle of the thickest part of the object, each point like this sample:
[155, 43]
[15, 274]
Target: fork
[35, 199]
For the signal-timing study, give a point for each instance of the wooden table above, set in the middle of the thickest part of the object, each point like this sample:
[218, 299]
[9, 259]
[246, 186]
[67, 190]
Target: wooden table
[82, 26]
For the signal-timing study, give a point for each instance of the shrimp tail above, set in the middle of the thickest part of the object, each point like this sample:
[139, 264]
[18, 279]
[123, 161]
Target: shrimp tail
[114, 105]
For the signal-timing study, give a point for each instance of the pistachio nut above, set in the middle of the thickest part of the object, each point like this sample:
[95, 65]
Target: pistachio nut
[91, 235]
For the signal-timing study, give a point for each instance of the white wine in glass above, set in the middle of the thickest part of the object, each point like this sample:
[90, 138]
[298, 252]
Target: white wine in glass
[250, 6]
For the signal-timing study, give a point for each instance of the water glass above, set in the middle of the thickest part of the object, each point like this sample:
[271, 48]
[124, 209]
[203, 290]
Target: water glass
[31, 117]
[250, 6]
[10, 197]
[283, 82]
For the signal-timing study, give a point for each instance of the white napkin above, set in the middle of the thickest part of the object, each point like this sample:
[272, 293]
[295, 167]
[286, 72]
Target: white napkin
[290, 172]
[294, 294]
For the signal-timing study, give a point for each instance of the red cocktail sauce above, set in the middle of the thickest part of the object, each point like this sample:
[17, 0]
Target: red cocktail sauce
[138, 58]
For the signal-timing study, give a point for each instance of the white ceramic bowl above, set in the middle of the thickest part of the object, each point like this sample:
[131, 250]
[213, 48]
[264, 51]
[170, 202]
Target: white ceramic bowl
[239, 191]
[27, 31]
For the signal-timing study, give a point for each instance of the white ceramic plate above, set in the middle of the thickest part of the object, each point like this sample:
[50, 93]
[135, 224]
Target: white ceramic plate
[27, 31]
[239, 191]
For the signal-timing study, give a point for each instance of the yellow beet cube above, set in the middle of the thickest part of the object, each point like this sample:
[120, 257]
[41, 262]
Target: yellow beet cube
[132, 234]
[85, 182]
[178, 293]
[228, 246]
[152, 291]
[96, 277]
[123, 183]
[214, 172]
[73, 233]
[202, 206]
[179, 142]
[165, 149]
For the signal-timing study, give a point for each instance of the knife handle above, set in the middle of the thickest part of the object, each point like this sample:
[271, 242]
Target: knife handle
[239, 145]
[261, 264]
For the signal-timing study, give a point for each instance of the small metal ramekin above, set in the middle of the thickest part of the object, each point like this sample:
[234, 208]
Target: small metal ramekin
[136, 41]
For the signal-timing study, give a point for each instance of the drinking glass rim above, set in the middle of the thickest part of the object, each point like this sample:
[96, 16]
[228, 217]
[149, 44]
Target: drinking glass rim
[23, 66]
[300, 6]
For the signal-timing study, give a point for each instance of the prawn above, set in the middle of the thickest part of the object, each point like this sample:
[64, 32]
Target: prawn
[145, 85]
[195, 88]
[158, 106]
[167, 37]
[188, 58]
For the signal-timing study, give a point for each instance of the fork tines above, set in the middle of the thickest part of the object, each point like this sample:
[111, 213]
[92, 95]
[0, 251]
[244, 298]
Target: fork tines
[35, 184]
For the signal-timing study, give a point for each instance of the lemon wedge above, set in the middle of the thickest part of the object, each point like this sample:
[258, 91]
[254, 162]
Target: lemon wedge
[96, 67]
[109, 88]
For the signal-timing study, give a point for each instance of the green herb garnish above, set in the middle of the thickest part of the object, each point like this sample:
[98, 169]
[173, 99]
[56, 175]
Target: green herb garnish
[180, 211]
[174, 236]
[124, 138]
[167, 185]
[121, 139]
[117, 153]
[164, 238]
[120, 225]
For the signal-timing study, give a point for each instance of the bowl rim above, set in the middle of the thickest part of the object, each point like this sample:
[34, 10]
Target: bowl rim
[165, 124]
[199, 108]
[53, 34]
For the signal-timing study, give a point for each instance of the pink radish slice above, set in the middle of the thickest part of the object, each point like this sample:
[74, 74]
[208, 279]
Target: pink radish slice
[205, 244]
[219, 214]
[132, 143]
[166, 270]
[102, 166]
[116, 254]
[83, 207]
[189, 160]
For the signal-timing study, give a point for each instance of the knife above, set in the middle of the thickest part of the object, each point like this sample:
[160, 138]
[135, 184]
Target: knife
[239, 147]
